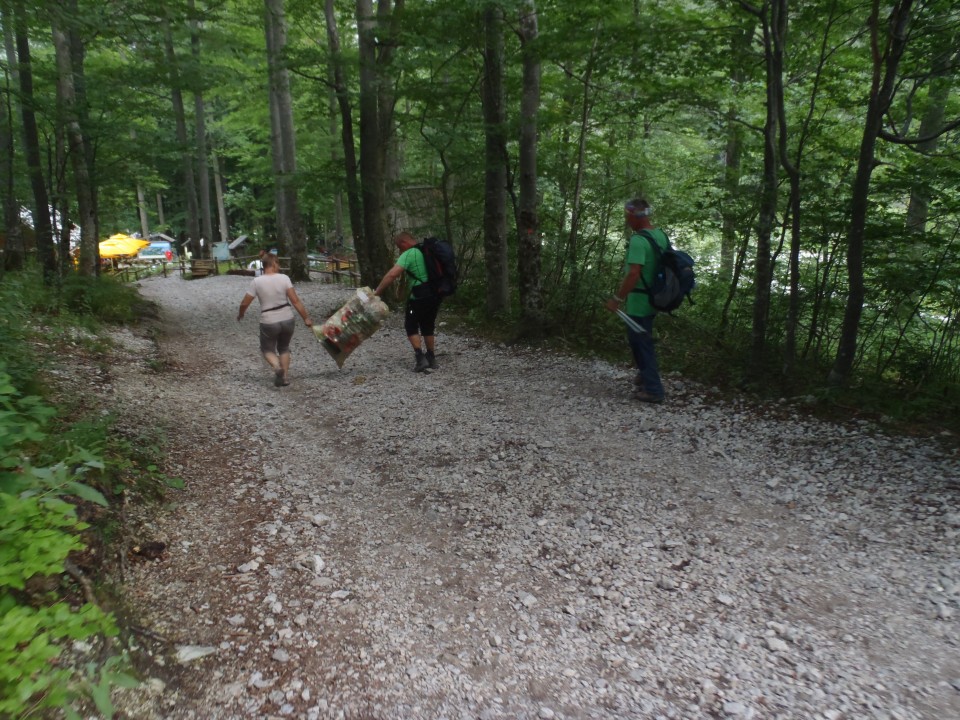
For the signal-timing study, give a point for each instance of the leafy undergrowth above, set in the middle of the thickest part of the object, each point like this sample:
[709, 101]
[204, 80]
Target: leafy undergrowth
[64, 470]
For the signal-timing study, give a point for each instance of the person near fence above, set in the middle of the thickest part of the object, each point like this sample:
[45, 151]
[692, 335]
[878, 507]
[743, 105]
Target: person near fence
[422, 303]
[277, 299]
[639, 272]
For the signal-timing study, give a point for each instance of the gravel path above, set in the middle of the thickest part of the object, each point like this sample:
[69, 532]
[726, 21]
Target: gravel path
[511, 537]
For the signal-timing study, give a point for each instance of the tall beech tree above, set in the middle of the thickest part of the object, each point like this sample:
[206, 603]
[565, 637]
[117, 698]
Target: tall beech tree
[12, 250]
[186, 149]
[42, 223]
[528, 222]
[377, 35]
[495, 163]
[888, 40]
[89, 262]
[290, 223]
[200, 128]
[768, 16]
[345, 107]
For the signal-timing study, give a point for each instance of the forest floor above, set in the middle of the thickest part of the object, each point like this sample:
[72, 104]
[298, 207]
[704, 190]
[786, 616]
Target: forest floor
[512, 536]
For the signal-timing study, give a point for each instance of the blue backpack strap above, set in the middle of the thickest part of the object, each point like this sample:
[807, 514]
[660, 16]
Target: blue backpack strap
[658, 258]
[658, 251]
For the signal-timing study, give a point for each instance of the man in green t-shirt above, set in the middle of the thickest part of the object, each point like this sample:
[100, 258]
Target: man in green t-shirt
[422, 302]
[639, 272]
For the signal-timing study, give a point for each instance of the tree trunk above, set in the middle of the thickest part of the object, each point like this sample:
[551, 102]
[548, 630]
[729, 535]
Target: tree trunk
[371, 173]
[276, 141]
[336, 158]
[763, 269]
[528, 224]
[389, 145]
[573, 239]
[779, 21]
[729, 211]
[142, 209]
[495, 176]
[376, 255]
[11, 254]
[186, 156]
[731, 186]
[792, 169]
[290, 223]
[89, 247]
[886, 61]
[930, 123]
[203, 169]
[59, 200]
[200, 131]
[354, 207]
[78, 53]
[43, 228]
[221, 205]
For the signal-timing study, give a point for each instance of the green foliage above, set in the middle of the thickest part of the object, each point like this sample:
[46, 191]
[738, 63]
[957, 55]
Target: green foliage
[102, 297]
[38, 531]
[32, 537]
[50, 463]
[31, 641]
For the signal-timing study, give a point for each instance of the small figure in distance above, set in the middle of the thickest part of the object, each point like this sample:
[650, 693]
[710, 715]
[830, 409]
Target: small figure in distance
[422, 302]
[276, 295]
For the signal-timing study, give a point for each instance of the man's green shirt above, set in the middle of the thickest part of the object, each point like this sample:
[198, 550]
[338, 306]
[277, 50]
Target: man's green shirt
[412, 261]
[639, 252]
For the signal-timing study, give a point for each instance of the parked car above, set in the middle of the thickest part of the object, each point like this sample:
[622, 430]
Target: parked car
[157, 251]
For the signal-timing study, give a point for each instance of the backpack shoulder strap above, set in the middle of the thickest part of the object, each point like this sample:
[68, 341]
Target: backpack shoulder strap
[411, 273]
[658, 258]
[653, 242]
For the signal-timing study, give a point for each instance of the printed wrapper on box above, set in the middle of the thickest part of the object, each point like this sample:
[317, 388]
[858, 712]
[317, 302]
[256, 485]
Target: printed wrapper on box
[358, 319]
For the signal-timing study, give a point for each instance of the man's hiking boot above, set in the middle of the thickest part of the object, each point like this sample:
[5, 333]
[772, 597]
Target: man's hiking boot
[432, 360]
[278, 377]
[644, 396]
[422, 362]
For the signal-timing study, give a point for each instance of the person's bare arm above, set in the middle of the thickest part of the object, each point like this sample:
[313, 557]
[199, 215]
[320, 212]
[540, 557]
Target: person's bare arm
[388, 279]
[628, 284]
[295, 301]
[244, 304]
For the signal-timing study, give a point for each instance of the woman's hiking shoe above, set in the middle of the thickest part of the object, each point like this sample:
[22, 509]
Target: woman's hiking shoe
[432, 361]
[278, 378]
[644, 396]
[422, 362]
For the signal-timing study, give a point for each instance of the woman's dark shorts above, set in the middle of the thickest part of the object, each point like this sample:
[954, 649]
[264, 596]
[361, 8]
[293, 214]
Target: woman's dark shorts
[421, 316]
[275, 337]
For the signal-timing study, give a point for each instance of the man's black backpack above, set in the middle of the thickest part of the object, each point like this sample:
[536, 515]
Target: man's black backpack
[441, 262]
[674, 280]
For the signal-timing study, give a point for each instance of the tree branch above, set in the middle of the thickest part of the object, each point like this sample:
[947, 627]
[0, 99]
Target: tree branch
[899, 140]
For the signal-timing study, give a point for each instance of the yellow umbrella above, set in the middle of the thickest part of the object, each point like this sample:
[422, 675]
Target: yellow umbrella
[121, 245]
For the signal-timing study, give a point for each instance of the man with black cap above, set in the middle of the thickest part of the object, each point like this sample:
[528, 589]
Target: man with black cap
[639, 273]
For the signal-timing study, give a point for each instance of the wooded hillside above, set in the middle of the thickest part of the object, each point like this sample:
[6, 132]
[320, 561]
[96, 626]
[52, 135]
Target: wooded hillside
[806, 155]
